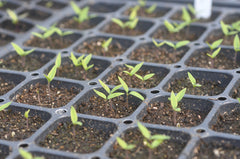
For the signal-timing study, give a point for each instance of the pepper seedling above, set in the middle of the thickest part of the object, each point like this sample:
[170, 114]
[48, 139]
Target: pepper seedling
[133, 93]
[125, 146]
[58, 60]
[27, 155]
[175, 27]
[213, 46]
[50, 76]
[26, 115]
[158, 44]
[151, 141]
[74, 119]
[193, 80]
[145, 77]
[4, 106]
[47, 32]
[21, 52]
[134, 70]
[111, 93]
[131, 24]
[187, 17]
[228, 29]
[13, 16]
[105, 45]
[177, 45]
[174, 103]
[151, 9]
[236, 45]
[82, 14]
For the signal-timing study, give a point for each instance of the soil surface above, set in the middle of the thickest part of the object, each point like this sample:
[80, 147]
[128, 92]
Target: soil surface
[116, 108]
[4, 151]
[51, 4]
[14, 126]
[236, 92]
[162, 113]
[231, 18]
[20, 27]
[36, 14]
[169, 149]
[95, 47]
[32, 62]
[9, 5]
[56, 98]
[135, 82]
[216, 149]
[5, 39]
[224, 60]
[87, 139]
[151, 53]
[5, 85]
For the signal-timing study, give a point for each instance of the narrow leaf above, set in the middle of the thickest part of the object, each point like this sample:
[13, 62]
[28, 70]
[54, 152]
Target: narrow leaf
[136, 94]
[100, 94]
[104, 86]
[4, 106]
[145, 132]
[124, 85]
[115, 95]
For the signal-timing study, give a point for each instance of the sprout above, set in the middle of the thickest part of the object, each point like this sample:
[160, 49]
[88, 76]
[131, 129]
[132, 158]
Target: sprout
[157, 44]
[106, 43]
[228, 30]
[191, 9]
[151, 9]
[133, 13]
[131, 24]
[82, 14]
[4, 106]
[174, 28]
[214, 54]
[187, 17]
[125, 146]
[13, 16]
[47, 32]
[215, 44]
[133, 69]
[76, 61]
[74, 119]
[26, 155]
[178, 44]
[58, 60]
[236, 45]
[145, 77]
[193, 80]
[26, 114]
[50, 76]
[142, 3]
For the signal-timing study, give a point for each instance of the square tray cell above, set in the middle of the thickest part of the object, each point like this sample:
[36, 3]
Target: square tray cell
[36, 92]
[224, 60]
[90, 137]
[134, 82]
[216, 81]
[103, 7]
[4, 151]
[168, 149]
[216, 148]
[93, 45]
[52, 4]
[9, 81]
[148, 52]
[33, 61]
[20, 27]
[141, 28]
[119, 107]
[15, 127]
[159, 111]
[188, 33]
[35, 14]
[227, 119]
[231, 18]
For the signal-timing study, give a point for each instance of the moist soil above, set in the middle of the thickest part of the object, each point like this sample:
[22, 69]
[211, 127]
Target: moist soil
[133, 81]
[162, 113]
[116, 29]
[236, 92]
[169, 149]
[216, 149]
[184, 34]
[119, 108]
[95, 47]
[231, 18]
[151, 53]
[20, 27]
[224, 60]
[208, 88]
[8, 5]
[4, 151]
[53, 42]
[52, 4]
[14, 126]
[5, 39]
[36, 14]
[56, 98]
[32, 62]
[87, 139]
[217, 34]
[228, 122]
[5, 85]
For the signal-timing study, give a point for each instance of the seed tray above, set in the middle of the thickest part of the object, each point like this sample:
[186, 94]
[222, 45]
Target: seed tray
[211, 136]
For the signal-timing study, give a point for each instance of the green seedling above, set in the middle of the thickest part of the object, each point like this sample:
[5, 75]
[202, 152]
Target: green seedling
[228, 29]
[213, 55]
[133, 13]
[13, 16]
[191, 9]
[193, 80]
[47, 32]
[111, 93]
[177, 45]
[142, 3]
[76, 61]
[61, 33]
[105, 45]
[21, 52]
[27, 155]
[158, 44]
[151, 9]
[50, 76]
[82, 14]
[131, 24]
[213, 46]
[174, 103]
[151, 141]
[236, 45]
[145, 77]
[125, 146]
[133, 93]
[26, 115]
[187, 17]
[58, 60]
[85, 62]
[74, 119]
[3, 107]
[175, 27]
[134, 70]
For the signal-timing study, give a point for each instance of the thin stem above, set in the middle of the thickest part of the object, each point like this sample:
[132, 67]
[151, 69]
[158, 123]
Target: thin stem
[235, 58]
[27, 123]
[74, 131]
[38, 97]
[149, 153]
[174, 118]
[126, 154]
[127, 99]
[23, 61]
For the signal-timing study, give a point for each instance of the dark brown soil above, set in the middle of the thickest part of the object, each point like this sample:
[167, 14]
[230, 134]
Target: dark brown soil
[224, 60]
[5, 39]
[236, 92]
[158, 12]
[133, 81]
[231, 18]
[116, 29]
[95, 47]
[8, 5]
[55, 5]
[162, 113]
[169, 149]
[151, 53]
[4, 151]
[228, 122]
[20, 27]
[87, 139]
[32, 62]
[96, 105]
[218, 34]
[185, 34]
[70, 23]
[14, 126]
[208, 88]
[5, 85]
[56, 98]
[36, 14]
[53, 42]
[216, 149]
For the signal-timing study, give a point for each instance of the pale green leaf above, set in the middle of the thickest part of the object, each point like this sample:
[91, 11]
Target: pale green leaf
[25, 154]
[26, 113]
[145, 132]
[100, 94]
[146, 77]
[157, 44]
[124, 85]
[115, 88]
[115, 95]
[170, 44]
[107, 89]
[74, 6]
[216, 43]
[118, 22]
[4, 106]
[136, 94]
[18, 49]
[182, 43]
[191, 78]
[136, 68]
[181, 94]
[236, 43]
[174, 101]
[58, 60]
[151, 9]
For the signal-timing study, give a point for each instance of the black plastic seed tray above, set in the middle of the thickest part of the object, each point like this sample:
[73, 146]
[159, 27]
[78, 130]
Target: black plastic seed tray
[208, 126]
